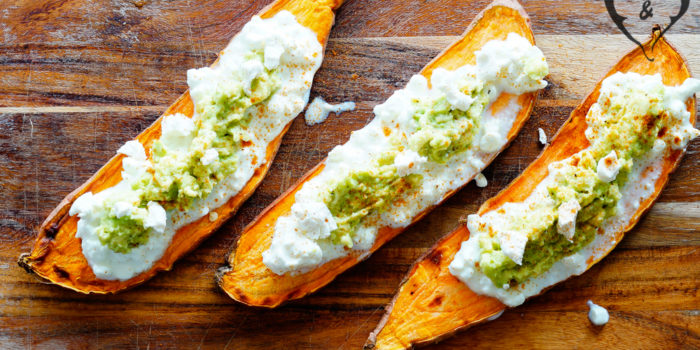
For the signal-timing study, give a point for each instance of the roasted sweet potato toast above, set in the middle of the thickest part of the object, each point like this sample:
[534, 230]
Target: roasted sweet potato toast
[432, 304]
[249, 281]
[57, 254]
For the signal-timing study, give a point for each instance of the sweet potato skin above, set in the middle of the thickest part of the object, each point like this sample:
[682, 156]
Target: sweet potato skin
[57, 253]
[414, 317]
[249, 281]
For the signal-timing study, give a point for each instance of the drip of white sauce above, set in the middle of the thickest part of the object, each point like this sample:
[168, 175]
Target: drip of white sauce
[318, 110]
[597, 314]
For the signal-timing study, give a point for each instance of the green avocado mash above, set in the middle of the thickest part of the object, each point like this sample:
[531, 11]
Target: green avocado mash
[120, 234]
[178, 177]
[629, 124]
[443, 131]
[364, 192]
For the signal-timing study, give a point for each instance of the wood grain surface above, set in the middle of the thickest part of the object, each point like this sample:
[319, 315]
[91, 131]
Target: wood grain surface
[80, 77]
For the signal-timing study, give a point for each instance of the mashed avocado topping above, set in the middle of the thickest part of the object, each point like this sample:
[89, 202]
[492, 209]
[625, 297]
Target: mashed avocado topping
[362, 193]
[122, 234]
[635, 117]
[443, 130]
[425, 141]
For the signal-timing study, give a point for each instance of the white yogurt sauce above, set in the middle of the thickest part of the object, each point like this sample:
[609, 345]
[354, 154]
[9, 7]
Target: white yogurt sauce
[639, 186]
[295, 54]
[297, 248]
[597, 314]
[318, 110]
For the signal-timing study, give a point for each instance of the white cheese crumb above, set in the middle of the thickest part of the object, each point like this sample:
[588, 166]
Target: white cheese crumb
[251, 70]
[408, 162]
[213, 216]
[608, 167]
[319, 109]
[597, 314]
[542, 136]
[133, 149]
[156, 218]
[513, 245]
[122, 209]
[481, 180]
[566, 224]
[314, 219]
[209, 156]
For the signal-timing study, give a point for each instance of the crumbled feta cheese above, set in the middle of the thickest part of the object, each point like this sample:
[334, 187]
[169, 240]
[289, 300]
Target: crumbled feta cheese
[156, 218]
[566, 224]
[177, 131]
[133, 149]
[408, 162]
[608, 167]
[251, 70]
[122, 209]
[513, 245]
[209, 156]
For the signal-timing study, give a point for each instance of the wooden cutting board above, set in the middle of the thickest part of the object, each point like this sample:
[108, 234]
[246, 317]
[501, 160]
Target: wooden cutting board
[78, 78]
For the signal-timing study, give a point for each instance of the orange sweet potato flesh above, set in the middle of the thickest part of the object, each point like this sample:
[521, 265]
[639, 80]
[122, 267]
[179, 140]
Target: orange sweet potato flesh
[431, 303]
[57, 254]
[249, 281]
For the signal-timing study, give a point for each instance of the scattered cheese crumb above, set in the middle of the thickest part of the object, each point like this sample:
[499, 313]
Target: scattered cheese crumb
[566, 223]
[597, 314]
[213, 216]
[543, 136]
[608, 167]
[319, 109]
[513, 245]
[481, 180]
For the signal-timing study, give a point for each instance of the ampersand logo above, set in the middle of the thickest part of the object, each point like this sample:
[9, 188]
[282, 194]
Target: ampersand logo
[646, 12]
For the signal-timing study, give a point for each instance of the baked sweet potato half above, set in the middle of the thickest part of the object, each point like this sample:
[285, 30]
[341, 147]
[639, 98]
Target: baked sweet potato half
[248, 280]
[57, 255]
[432, 304]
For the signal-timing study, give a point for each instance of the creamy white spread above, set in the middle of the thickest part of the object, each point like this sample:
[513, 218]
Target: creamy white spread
[295, 54]
[639, 186]
[318, 110]
[597, 314]
[300, 243]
